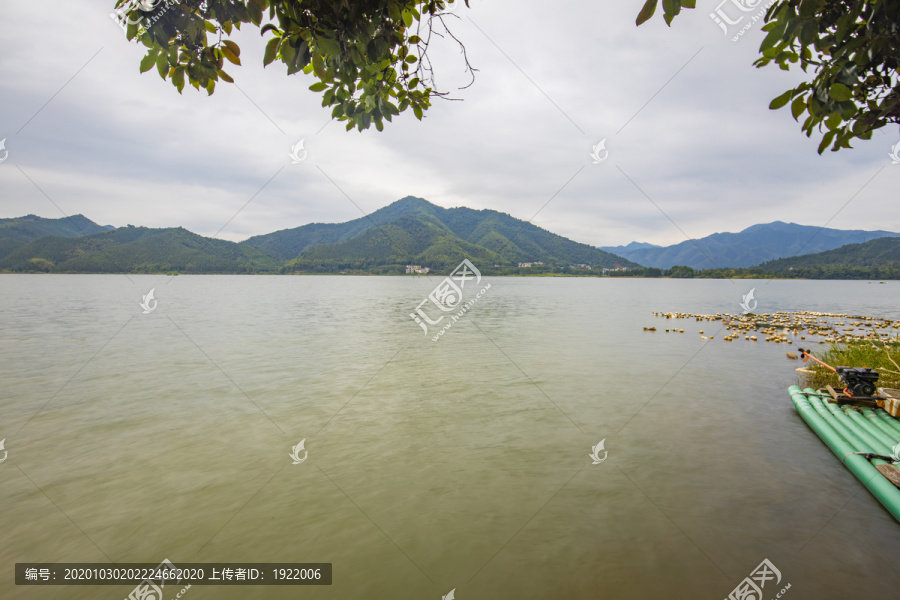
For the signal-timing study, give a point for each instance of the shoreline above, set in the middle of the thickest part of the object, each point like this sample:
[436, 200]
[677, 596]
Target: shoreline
[546, 275]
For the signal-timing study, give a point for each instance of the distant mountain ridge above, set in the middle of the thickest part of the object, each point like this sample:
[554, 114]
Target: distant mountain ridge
[628, 247]
[881, 252]
[750, 247]
[136, 250]
[408, 231]
[17, 232]
[413, 230]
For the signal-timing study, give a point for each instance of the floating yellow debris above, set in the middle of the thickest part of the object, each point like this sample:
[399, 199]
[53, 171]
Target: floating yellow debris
[809, 326]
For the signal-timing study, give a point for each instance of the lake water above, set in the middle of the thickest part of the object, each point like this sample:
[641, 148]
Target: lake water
[457, 464]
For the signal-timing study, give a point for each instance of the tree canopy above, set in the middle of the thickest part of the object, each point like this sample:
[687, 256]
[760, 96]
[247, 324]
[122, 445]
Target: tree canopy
[369, 56]
[852, 48]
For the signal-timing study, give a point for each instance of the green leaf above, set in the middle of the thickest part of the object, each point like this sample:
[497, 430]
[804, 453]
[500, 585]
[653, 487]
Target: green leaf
[178, 78]
[809, 32]
[781, 100]
[162, 65]
[271, 51]
[319, 86]
[840, 92]
[671, 7]
[329, 46]
[269, 27]
[826, 139]
[226, 77]
[768, 44]
[414, 39]
[233, 47]
[148, 61]
[232, 58]
[318, 65]
[808, 9]
[646, 12]
[798, 106]
[254, 10]
[833, 121]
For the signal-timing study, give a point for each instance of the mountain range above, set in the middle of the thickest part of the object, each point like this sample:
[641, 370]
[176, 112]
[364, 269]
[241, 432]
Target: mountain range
[15, 233]
[752, 246]
[414, 231]
[881, 253]
[409, 231]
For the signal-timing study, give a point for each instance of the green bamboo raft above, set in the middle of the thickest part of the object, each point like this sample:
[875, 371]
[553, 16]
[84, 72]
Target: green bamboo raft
[864, 438]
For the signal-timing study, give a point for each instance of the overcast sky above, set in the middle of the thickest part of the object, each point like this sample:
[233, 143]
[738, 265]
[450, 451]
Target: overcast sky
[693, 147]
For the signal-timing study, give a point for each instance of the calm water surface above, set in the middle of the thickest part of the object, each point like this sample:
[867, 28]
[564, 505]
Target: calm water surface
[457, 464]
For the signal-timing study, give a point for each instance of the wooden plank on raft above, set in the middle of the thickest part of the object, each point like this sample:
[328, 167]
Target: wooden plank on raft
[891, 472]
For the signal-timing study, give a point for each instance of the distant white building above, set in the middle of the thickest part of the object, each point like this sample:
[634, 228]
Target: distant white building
[525, 265]
[416, 269]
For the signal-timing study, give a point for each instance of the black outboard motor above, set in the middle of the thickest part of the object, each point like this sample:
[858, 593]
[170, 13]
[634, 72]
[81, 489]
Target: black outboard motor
[860, 380]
